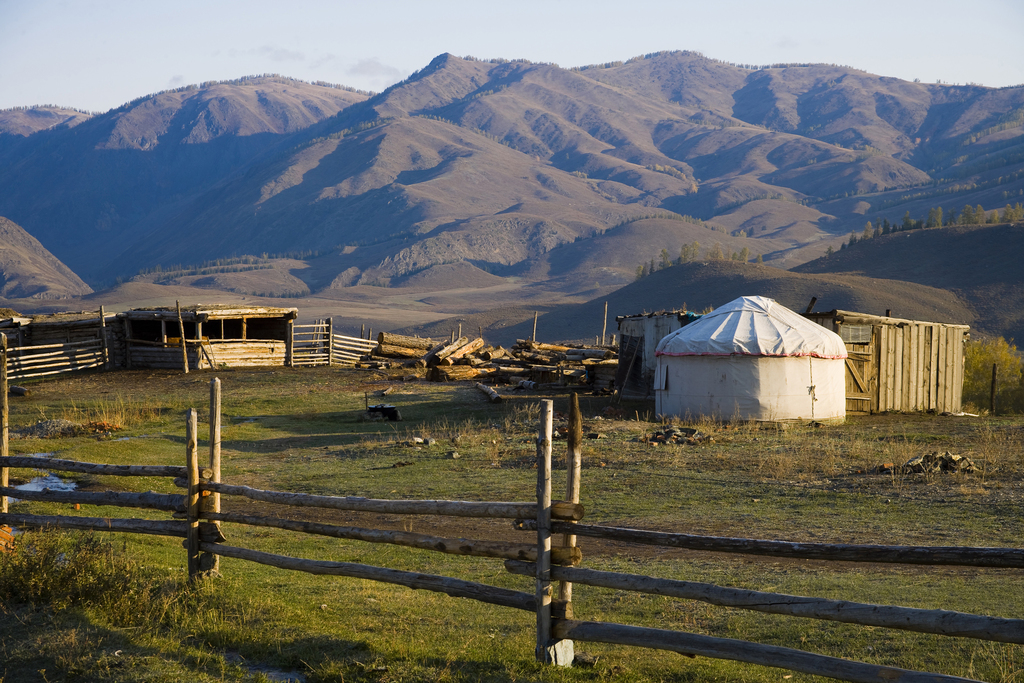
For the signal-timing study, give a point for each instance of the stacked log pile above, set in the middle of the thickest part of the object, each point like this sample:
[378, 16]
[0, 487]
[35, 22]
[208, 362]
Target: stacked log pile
[530, 364]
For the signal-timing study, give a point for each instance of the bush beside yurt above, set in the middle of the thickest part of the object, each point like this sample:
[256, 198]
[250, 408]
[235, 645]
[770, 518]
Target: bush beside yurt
[752, 359]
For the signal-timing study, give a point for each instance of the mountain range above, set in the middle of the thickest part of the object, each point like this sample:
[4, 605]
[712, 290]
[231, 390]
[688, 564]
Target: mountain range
[528, 178]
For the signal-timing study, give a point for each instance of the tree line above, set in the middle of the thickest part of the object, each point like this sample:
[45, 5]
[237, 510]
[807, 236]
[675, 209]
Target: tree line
[691, 252]
[936, 218]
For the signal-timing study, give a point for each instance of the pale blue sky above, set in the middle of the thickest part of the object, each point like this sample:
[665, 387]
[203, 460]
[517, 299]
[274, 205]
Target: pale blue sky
[98, 54]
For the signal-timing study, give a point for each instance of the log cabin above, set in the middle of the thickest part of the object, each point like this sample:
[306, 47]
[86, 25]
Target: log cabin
[213, 336]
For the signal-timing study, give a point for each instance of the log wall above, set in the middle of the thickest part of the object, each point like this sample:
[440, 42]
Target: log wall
[210, 355]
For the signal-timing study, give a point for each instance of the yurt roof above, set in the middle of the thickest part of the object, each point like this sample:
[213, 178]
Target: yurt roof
[752, 326]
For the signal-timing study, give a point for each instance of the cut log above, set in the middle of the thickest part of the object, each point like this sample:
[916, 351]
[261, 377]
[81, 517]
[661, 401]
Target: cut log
[494, 354]
[538, 346]
[430, 356]
[448, 350]
[579, 354]
[455, 373]
[391, 339]
[393, 351]
[467, 348]
[492, 395]
[511, 371]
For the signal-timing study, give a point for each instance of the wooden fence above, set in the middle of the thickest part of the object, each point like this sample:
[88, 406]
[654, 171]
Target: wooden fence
[316, 344]
[197, 517]
[81, 344]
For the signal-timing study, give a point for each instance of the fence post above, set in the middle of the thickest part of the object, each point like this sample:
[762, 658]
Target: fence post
[574, 465]
[4, 471]
[548, 651]
[181, 329]
[103, 338]
[192, 497]
[992, 393]
[330, 341]
[289, 349]
[210, 562]
[604, 323]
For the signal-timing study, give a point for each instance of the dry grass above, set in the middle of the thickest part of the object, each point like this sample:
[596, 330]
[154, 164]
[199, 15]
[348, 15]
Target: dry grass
[118, 411]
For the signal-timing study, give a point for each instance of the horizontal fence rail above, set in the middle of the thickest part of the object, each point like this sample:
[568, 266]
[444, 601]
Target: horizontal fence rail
[311, 344]
[197, 518]
[50, 359]
[941, 622]
[453, 508]
[97, 468]
[450, 546]
[1012, 558]
[154, 501]
[153, 527]
[440, 584]
[742, 651]
[349, 350]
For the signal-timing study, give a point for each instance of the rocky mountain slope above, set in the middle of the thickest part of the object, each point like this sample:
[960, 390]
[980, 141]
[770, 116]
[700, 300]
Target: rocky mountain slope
[571, 177]
[27, 270]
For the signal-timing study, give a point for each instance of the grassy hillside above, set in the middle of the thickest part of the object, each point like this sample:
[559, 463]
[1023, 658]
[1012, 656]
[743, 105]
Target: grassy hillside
[708, 284]
[980, 264]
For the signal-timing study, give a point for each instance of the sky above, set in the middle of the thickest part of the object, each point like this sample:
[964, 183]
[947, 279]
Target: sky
[95, 55]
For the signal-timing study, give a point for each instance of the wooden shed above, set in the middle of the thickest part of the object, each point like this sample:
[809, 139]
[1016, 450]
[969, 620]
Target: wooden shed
[49, 344]
[899, 365]
[214, 336]
[638, 338]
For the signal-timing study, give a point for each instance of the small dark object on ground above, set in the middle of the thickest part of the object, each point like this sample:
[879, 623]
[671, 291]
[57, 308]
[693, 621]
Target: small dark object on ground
[14, 390]
[388, 411]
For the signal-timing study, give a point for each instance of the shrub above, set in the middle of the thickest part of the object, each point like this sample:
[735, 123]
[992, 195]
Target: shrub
[979, 357]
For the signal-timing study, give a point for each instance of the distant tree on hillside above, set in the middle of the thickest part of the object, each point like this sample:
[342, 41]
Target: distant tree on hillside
[717, 254]
[666, 262]
[868, 231]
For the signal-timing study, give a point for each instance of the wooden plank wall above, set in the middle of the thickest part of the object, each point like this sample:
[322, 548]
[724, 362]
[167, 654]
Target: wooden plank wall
[920, 368]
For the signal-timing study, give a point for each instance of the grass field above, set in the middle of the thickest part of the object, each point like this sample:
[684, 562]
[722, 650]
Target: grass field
[104, 607]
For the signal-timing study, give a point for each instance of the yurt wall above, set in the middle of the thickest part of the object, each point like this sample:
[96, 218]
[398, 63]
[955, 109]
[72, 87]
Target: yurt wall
[752, 359]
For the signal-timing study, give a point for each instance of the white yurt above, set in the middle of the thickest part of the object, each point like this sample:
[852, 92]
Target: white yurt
[752, 359]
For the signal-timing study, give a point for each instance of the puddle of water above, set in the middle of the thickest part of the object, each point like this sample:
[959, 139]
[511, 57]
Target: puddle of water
[46, 481]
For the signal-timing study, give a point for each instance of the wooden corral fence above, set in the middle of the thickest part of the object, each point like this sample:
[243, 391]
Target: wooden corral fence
[55, 348]
[317, 344]
[197, 517]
